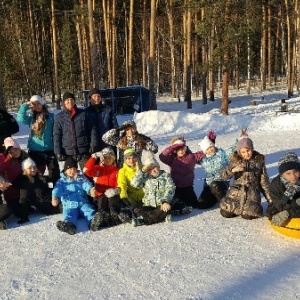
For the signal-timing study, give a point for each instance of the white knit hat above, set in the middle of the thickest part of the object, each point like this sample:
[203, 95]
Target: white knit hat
[148, 160]
[205, 144]
[37, 98]
[27, 163]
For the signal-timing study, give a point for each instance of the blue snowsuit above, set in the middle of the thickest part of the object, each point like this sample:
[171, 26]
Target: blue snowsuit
[73, 196]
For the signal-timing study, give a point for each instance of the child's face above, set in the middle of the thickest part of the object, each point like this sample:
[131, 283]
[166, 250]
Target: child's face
[130, 131]
[71, 172]
[211, 150]
[131, 161]
[15, 152]
[108, 160]
[181, 152]
[292, 176]
[31, 171]
[154, 172]
[246, 153]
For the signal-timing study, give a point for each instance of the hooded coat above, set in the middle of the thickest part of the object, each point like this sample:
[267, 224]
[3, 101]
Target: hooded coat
[244, 195]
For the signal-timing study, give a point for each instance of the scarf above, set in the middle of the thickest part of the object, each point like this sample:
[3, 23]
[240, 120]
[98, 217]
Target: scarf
[291, 189]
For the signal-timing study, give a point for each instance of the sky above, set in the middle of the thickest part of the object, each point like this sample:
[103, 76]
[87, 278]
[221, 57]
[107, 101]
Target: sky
[197, 256]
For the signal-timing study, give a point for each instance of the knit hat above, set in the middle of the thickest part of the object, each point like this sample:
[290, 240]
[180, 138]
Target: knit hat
[244, 142]
[148, 160]
[129, 123]
[70, 163]
[93, 92]
[37, 98]
[68, 95]
[205, 144]
[130, 152]
[11, 143]
[108, 151]
[27, 163]
[289, 161]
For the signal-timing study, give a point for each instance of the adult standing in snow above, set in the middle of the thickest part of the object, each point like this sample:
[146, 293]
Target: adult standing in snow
[285, 191]
[40, 141]
[100, 115]
[71, 133]
[249, 171]
[182, 165]
[126, 136]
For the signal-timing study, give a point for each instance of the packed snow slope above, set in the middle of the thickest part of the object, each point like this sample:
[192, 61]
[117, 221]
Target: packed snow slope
[198, 256]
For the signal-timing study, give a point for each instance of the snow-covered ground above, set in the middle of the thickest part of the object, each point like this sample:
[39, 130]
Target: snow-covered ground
[198, 256]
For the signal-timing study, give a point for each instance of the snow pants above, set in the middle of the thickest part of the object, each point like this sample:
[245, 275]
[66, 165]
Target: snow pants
[71, 214]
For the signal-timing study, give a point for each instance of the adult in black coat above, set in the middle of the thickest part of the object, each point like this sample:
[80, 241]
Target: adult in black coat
[71, 133]
[285, 191]
[102, 116]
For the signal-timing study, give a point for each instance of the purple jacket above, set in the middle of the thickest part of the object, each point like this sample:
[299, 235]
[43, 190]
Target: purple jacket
[181, 169]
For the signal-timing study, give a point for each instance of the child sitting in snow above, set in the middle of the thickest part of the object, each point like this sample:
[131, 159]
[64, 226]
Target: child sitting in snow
[72, 189]
[103, 169]
[159, 190]
[34, 191]
[215, 160]
[248, 168]
[285, 191]
[182, 165]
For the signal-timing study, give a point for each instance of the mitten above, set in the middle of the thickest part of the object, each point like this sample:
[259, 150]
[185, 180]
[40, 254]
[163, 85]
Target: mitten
[60, 157]
[23, 220]
[109, 193]
[165, 207]
[98, 155]
[177, 145]
[298, 201]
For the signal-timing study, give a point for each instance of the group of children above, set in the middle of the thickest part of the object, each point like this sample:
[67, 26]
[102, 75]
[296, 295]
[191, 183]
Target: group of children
[133, 188]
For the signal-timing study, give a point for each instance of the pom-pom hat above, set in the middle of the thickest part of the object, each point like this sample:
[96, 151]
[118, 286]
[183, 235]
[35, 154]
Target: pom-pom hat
[148, 160]
[288, 162]
[37, 98]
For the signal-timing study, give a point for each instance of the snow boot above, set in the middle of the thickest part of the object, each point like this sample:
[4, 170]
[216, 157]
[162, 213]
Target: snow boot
[3, 225]
[138, 221]
[124, 218]
[168, 218]
[66, 226]
[96, 221]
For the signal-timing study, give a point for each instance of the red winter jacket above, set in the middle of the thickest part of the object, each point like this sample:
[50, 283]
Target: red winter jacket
[105, 177]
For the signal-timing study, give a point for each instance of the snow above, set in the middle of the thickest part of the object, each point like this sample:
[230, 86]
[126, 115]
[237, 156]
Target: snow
[197, 256]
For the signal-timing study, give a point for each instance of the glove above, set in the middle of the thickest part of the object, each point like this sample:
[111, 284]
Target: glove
[60, 157]
[111, 192]
[23, 220]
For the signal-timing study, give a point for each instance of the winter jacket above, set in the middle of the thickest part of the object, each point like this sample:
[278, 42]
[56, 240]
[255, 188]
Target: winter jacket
[158, 190]
[181, 169]
[104, 120]
[243, 197]
[113, 138]
[36, 143]
[125, 176]
[215, 163]
[35, 191]
[71, 134]
[280, 201]
[105, 177]
[72, 192]
[10, 169]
